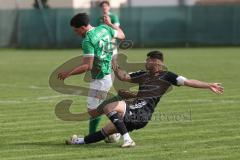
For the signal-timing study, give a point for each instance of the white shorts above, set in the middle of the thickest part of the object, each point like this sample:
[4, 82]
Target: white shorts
[98, 91]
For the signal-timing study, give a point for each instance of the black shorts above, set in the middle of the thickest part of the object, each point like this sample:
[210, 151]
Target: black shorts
[136, 118]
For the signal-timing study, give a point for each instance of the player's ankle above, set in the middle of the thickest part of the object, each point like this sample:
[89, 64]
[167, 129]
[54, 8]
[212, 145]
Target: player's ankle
[126, 137]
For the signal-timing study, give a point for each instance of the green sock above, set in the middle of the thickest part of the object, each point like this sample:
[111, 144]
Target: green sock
[93, 124]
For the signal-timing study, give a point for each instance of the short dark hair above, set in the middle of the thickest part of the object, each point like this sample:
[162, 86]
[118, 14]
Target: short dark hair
[155, 54]
[79, 20]
[104, 2]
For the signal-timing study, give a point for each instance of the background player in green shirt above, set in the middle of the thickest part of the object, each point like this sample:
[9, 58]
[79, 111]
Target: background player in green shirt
[97, 56]
[105, 6]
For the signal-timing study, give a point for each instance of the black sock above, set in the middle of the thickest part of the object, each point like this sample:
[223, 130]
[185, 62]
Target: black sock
[95, 137]
[118, 122]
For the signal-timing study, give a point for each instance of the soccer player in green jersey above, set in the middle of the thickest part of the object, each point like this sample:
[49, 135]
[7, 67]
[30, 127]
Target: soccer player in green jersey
[97, 57]
[105, 6]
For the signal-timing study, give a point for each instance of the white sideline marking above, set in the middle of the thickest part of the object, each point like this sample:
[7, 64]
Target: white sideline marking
[23, 87]
[203, 101]
[37, 87]
[52, 97]
[10, 102]
[31, 100]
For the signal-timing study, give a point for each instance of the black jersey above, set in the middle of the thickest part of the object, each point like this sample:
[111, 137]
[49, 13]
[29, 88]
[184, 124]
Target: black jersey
[151, 88]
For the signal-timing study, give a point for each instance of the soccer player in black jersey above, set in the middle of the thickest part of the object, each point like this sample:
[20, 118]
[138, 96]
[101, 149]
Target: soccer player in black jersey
[133, 111]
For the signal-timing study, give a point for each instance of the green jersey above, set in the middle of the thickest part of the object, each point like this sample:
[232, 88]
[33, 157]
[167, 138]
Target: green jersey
[98, 43]
[114, 19]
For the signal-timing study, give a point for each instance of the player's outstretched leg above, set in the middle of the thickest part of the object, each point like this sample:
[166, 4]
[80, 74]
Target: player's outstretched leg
[115, 112]
[91, 138]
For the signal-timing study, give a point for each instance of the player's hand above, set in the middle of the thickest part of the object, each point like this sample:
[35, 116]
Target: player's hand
[216, 88]
[115, 66]
[63, 75]
[107, 20]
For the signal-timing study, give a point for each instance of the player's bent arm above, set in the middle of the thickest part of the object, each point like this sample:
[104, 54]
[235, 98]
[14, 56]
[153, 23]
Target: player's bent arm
[115, 26]
[214, 87]
[120, 33]
[121, 74]
[86, 65]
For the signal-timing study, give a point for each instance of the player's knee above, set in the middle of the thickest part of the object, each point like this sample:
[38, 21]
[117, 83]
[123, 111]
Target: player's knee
[115, 106]
[107, 109]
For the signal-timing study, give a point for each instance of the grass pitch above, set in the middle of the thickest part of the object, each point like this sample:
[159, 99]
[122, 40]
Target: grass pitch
[188, 124]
